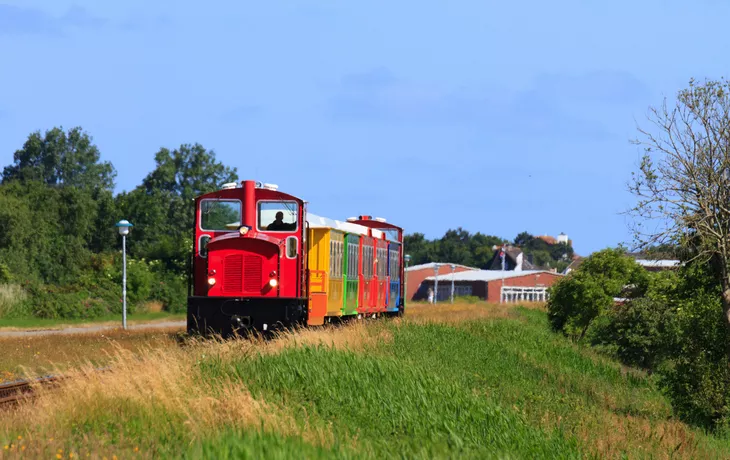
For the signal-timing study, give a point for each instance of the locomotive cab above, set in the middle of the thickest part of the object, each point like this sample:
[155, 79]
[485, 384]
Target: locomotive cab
[248, 260]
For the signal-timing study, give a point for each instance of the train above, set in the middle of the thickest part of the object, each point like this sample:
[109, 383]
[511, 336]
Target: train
[261, 263]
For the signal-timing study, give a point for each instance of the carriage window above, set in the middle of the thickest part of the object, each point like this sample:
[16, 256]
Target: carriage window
[291, 247]
[277, 216]
[220, 215]
[203, 246]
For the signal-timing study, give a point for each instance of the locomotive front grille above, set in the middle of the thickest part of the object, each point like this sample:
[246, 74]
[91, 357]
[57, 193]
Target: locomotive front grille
[242, 273]
[252, 274]
[233, 273]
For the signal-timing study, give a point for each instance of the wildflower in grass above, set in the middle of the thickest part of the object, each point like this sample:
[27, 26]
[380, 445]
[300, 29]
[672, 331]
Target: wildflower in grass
[19, 437]
[59, 456]
[7, 447]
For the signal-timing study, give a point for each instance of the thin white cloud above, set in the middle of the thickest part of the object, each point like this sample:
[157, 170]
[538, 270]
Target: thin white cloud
[15, 20]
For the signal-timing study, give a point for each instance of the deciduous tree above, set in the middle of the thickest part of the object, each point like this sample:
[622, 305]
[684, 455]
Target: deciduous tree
[683, 183]
[60, 158]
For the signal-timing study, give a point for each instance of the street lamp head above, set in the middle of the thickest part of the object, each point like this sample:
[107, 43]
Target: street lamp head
[124, 227]
[407, 258]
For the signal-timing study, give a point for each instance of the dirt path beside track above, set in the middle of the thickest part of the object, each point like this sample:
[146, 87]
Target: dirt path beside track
[90, 328]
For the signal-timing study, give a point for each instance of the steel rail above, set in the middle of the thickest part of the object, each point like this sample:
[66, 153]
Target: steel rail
[14, 391]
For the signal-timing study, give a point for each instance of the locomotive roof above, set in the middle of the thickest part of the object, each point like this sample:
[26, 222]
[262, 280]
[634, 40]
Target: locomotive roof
[316, 221]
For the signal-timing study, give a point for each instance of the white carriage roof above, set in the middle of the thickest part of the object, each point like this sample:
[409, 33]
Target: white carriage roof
[316, 221]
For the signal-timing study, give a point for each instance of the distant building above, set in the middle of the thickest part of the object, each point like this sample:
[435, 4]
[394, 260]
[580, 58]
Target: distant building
[652, 264]
[417, 273]
[547, 238]
[514, 260]
[562, 238]
[577, 261]
[494, 286]
[659, 265]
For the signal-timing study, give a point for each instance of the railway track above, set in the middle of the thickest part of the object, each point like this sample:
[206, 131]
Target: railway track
[15, 391]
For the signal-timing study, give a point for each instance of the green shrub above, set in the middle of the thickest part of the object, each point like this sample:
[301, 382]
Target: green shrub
[5, 276]
[641, 332]
[12, 296]
[171, 291]
[697, 378]
[575, 302]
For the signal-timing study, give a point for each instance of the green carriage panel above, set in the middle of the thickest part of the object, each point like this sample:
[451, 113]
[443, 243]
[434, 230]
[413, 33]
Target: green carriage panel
[351, 278]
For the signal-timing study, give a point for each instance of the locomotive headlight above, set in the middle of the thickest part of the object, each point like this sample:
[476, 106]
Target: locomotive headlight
[211, 281]
[243, 229]
[273, 283]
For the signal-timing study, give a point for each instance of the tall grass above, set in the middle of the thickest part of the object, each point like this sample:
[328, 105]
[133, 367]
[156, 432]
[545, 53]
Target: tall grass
[11, 296]
[465, 380]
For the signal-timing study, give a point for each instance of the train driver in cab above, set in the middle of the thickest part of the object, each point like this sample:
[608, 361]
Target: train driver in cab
[278, 223]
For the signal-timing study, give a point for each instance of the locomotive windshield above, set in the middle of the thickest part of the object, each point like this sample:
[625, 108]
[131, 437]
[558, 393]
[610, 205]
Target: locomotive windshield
[277, 216]
[220, 215]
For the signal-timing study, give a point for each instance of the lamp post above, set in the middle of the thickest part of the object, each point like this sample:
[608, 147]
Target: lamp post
[453, 267]
[436, 283]
[124, 227]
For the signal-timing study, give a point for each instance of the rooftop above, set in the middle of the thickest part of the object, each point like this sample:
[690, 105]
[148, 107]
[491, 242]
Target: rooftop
[488, 275]
[658, 263]
[431, 265]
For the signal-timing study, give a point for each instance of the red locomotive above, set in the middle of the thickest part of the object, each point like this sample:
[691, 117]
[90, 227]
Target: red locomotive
[261, 262]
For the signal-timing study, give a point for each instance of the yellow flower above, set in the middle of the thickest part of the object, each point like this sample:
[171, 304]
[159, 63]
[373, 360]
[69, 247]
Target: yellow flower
[58, 455]
[136, 449]
[19, 437]
[6, 447]
[22, 447]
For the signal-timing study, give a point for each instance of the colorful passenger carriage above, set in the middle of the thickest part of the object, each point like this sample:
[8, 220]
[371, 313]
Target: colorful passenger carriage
[261, 261]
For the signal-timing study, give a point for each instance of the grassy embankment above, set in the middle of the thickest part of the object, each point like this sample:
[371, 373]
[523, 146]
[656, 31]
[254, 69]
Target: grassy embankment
[458, 381]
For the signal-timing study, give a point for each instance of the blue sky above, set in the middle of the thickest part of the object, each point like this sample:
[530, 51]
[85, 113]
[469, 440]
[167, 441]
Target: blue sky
[495, 116]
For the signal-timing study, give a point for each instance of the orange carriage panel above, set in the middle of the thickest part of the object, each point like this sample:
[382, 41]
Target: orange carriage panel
[317, 308]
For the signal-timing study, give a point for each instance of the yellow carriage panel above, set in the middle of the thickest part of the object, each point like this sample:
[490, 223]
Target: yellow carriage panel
[318, 259]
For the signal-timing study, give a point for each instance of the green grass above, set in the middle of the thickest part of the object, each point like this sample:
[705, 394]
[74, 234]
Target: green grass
[39, 323]
[486, 388]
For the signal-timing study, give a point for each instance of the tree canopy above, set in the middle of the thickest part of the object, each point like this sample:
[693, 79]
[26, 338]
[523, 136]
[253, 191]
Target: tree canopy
[683, 183]
[477, 250]
[60, 158]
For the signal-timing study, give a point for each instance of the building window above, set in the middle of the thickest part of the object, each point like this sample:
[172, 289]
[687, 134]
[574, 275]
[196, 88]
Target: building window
[277, 216]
